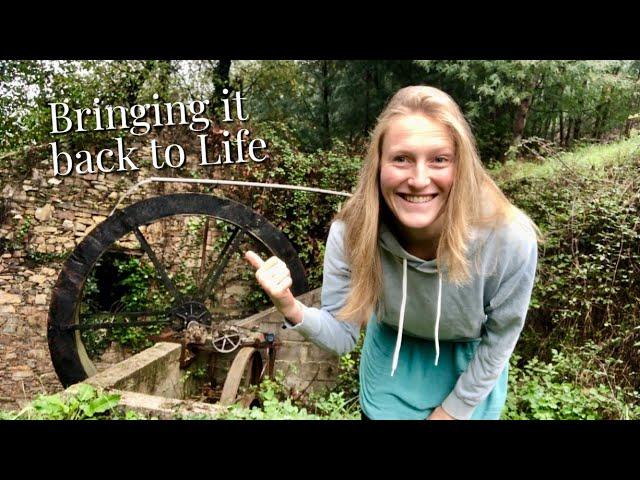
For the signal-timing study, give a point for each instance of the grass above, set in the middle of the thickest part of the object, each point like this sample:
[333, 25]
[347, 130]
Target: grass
[587, 157]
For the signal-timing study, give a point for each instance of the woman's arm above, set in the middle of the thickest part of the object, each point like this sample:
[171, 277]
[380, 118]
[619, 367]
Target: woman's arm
[506, 312]
[318, 325]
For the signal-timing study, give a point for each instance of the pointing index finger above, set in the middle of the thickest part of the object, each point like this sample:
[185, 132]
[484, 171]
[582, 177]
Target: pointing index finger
[254, 259]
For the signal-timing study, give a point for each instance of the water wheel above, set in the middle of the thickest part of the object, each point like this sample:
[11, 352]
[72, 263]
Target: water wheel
[175, 282]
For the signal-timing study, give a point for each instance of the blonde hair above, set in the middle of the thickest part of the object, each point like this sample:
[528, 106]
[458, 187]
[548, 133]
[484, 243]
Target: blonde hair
[474, 200]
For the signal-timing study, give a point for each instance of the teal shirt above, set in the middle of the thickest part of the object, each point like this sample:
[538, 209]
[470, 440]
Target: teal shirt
[414, 392]
[479, 326]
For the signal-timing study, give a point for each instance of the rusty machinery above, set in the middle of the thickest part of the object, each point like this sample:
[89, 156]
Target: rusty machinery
[189, 316]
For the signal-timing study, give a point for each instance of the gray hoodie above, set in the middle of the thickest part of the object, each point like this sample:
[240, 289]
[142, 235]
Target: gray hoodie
[491, 307]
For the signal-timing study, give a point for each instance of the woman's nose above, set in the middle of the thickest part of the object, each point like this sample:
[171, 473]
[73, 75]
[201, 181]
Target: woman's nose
[419, 177]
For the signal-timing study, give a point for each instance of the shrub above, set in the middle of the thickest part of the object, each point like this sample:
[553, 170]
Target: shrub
[567, 388]
[586, 287]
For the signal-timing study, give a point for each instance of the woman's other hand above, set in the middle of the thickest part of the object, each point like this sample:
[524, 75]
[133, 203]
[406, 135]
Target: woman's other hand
[440, 414]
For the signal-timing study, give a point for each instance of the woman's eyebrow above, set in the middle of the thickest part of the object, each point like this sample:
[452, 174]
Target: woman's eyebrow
[437, 149]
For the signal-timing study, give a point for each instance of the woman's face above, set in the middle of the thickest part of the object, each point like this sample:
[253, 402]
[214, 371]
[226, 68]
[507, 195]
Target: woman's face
[417, 168]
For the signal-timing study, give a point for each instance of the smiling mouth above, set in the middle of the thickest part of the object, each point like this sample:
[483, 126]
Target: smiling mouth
[417, 198]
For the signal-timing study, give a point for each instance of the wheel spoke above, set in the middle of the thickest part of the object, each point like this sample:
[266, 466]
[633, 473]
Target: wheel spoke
[205, 239]
[124, 314]
[229, 249]
[98, 326]
[159, 267]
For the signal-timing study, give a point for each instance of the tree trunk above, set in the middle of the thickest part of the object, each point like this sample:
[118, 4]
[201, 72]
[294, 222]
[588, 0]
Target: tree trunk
[367, 87]
[520, 120]
[326, 92]
[627, 128]
[561, 118]
[568, 138]
[576, 128]
[601, 113]
[220, 80]
[164, 74]
[222, 71]
[136, 81]
[552, 129]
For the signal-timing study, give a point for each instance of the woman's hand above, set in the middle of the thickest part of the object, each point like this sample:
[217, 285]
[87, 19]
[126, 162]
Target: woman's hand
[275, 279]
[439, 414]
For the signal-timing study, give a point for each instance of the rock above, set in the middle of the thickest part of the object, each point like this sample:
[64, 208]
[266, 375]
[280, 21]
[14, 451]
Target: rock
[98, 218]
[21, 372]
[48, 271]
[101, 188]
[37, 178]
[7, 191]
[80, 227]
[66, 215]
[45, 230]
[10, 325]
[237, 290]
[7, 309]
[41, 299]
[39, 279]
[9, 298]
[20, 197]
[54, 181]
[44, 213]
[67, 225]
[84, 221]
[113, 196]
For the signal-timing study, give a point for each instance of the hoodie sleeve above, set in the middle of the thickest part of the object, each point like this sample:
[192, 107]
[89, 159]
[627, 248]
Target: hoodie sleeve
[319, 325]
[509, 291]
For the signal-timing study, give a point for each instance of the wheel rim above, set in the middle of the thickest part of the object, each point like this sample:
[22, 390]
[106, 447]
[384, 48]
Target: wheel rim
[247, 365]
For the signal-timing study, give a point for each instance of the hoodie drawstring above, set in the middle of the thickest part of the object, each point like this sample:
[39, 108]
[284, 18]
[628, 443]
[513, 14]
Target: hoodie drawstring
[396, 352]
[437, 327]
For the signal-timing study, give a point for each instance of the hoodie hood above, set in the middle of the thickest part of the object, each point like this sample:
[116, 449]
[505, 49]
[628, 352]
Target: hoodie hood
[389, 242]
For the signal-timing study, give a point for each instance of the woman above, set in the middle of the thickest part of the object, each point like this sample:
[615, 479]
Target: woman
[434, 260]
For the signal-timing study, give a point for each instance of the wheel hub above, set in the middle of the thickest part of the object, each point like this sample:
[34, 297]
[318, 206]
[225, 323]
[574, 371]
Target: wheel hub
[188, 312]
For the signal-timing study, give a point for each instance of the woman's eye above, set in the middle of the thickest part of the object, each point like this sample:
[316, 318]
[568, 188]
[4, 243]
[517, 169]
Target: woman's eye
[441, 160]
[400, 159]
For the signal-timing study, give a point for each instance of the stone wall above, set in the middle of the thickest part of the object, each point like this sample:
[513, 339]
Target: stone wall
[42, 218]
[305, 365]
